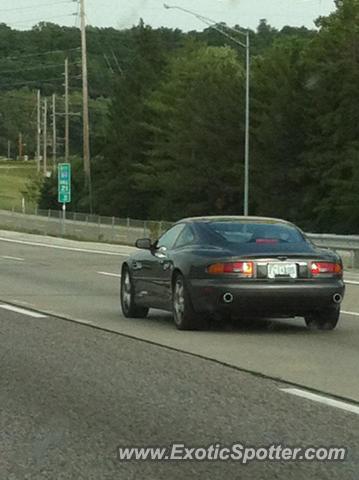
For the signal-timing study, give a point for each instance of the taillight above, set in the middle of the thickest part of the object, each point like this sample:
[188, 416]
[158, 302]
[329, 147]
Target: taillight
[326, 268]
[245, 269]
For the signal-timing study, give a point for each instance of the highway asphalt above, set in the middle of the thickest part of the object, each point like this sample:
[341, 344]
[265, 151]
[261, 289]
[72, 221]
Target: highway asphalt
[81, 281]
[71, 392]
[70, 395]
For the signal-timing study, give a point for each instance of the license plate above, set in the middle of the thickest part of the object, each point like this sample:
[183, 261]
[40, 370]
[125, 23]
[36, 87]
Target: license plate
[282, 270]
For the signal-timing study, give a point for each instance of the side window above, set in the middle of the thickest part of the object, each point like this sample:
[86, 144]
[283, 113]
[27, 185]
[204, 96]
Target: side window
[169, 238]
[186, 237]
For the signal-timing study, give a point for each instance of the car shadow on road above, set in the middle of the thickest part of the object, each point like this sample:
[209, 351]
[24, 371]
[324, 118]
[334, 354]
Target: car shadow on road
[260, 325]
[243, 325]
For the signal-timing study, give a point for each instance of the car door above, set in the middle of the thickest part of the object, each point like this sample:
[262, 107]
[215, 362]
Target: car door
[141, 268]
[160, 267]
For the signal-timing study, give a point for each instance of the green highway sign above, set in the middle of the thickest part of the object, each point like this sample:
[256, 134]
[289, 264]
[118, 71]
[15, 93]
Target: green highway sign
[64, 182]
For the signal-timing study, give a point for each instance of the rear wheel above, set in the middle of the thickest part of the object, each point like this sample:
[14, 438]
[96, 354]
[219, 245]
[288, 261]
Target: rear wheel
[326, 319]
[185, 317]
[128, 304]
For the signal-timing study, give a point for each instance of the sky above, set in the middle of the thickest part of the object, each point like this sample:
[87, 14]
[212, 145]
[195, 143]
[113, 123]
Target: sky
[23, 14]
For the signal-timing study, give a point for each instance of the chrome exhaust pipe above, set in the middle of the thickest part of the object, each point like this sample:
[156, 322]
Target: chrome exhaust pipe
[337, 298]
[228, 298]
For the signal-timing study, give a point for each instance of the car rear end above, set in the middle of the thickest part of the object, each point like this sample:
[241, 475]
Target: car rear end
[267, 277]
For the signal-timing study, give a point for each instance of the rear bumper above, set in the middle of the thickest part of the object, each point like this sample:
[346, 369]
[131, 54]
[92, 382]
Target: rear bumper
[256, 298]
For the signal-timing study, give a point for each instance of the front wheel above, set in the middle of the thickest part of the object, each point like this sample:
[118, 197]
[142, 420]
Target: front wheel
[326, 319]
[128, 304]
[184, 316]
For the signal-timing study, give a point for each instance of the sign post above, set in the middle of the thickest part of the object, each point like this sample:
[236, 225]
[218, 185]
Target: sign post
[64, 189]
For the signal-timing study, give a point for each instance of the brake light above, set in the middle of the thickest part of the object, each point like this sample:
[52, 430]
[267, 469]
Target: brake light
[267, 240]
[243, 268]
[325, 268]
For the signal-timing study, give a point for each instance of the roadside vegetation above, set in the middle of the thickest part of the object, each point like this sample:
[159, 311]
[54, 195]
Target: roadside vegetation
[167, 116]
[15, 177]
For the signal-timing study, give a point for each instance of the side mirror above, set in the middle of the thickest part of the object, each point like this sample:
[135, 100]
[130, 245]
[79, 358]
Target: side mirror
[144, 243]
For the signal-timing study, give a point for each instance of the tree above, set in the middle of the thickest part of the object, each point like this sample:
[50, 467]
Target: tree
[167, 115]
[278, 129]
[332, 151]
[126, 141]
[17, 115]
[195, 160]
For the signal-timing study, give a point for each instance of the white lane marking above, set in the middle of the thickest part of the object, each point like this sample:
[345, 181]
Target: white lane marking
[351, 282]
[8, 257]
[356, 314]
[108, 274]
[23, 311]
[321, 399]
[73, 249]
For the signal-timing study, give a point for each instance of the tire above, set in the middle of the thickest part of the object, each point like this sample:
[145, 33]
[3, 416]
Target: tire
[184, 316]
[324, 320]
[129, 307]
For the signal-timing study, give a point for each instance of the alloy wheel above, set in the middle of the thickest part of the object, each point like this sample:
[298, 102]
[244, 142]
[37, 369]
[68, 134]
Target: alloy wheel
[127, 291]
[179, 301]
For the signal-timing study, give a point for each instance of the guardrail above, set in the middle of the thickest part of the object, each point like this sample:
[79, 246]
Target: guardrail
[340, 243]
[97, 228]
[82, 226]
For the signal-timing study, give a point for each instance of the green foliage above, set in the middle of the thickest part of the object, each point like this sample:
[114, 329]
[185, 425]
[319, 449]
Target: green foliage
[195, 158]
[332, 155]
[127, 139]
[279, 120]
[32, 188]
[179, 149]
[167, 118]
[14, 178]
[17, 115]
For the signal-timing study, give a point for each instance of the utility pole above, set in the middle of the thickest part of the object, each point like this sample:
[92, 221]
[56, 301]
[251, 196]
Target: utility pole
[38, 132]
[20, 146]
[45, 136]
[86, 131]
[67, 120]
[54, 133]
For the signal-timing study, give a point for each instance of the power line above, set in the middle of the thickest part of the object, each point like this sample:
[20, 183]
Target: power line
[26, 82]
[49, 52]
[104, 55]
[32, 7]
[36, 20]
[5, 96]
[77, 17]
[39, 67]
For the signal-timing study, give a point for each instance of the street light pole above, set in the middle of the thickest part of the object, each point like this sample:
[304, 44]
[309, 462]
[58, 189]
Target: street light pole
[246, 153]
[212, 24]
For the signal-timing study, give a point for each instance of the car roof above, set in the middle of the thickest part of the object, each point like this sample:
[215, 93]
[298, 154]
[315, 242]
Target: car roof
[229, 218]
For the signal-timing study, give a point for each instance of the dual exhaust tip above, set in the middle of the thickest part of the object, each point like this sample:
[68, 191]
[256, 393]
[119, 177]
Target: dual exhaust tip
[337, 298]
[228, 298]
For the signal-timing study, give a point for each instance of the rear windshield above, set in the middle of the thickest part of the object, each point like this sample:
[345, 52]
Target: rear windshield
[260, 233]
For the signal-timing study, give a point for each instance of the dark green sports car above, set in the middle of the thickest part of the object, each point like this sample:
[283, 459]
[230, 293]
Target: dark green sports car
[222, 267]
